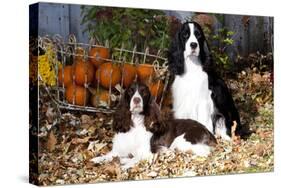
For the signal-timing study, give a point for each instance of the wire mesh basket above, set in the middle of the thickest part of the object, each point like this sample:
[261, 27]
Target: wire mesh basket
[104, 79]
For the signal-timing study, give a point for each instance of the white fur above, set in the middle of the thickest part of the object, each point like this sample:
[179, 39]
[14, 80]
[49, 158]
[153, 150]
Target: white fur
[192, 38]
[221, 129]
[191, 95]
[139, 107]
[135, 142]
[182, 145]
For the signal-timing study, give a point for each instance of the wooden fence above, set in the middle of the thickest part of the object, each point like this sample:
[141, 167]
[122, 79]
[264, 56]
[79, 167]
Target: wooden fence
[252, 33]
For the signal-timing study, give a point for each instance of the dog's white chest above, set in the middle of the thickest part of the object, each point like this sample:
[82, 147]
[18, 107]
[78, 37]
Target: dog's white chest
[191, 95]
[136, 141]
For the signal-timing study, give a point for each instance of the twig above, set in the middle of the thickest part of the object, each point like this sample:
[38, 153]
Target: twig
[233, 129]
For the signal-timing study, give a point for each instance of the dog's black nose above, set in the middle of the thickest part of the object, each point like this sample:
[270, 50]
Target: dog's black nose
[193, 45]
[136, 100]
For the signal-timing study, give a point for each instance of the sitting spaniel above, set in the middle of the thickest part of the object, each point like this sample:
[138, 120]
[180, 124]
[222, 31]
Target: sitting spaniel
[141, 131]
[198, 92]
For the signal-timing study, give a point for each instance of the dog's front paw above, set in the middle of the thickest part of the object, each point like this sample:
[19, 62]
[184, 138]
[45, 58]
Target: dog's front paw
[127, 163]
[151, 158]
[126, 166]
[124, 160]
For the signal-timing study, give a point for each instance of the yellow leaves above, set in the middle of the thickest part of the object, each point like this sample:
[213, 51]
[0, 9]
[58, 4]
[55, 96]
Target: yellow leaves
[45, 66]
[46, 69]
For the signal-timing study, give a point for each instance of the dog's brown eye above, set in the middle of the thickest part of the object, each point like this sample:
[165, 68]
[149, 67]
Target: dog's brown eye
[144, 91]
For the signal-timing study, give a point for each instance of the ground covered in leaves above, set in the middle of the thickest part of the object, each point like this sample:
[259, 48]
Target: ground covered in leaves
[65, 150]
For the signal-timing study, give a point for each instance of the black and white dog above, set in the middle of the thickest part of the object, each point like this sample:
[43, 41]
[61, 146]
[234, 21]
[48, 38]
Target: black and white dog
[198, 92]
[141, 130]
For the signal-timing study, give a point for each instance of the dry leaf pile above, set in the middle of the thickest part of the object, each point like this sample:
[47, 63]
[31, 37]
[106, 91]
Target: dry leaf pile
[66, 149]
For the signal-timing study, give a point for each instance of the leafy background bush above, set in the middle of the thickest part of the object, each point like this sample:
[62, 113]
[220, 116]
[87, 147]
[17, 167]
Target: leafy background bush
[219, 40]
[143, 28]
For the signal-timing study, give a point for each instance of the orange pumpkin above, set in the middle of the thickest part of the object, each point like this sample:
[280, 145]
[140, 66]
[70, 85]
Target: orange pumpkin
[84, 72]
[96, 54]
[100, 98]
[156, 88]
[144, 71]
[129, 73]
[79, 53]
[77, 95]
[106, 72]
[67, 75]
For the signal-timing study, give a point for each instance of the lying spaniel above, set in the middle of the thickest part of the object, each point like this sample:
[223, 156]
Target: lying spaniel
[141, 131]
[198, 92]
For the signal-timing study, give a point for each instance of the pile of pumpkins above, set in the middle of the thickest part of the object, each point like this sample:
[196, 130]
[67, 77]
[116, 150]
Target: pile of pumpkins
[98, 69]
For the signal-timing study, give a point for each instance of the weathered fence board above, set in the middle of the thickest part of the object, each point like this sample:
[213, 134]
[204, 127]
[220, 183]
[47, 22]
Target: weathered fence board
[54, 19]
[252, 33]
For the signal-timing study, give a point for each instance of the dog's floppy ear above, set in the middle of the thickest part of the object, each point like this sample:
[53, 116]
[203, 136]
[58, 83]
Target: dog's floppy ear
[205, 51]
[153, 119]
[206, 57]
[122, 116]
[175, 54]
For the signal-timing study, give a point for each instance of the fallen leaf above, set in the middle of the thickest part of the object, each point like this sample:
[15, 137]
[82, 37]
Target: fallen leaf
[83, 132]
[260, 149]
[99, 146]
[85, 119]
[80, 140]
[256, 78]
[91, 146]
[189, 173]
[50, 115]
[52, 141]
[59, 181]
[67, 145]
[152, 174]
[112, 169]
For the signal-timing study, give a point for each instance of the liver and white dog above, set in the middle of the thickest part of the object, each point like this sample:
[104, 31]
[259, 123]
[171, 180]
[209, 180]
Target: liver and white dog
[141, 130]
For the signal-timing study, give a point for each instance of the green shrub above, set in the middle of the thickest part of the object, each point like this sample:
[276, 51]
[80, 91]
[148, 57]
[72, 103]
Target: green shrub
[143, 28]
